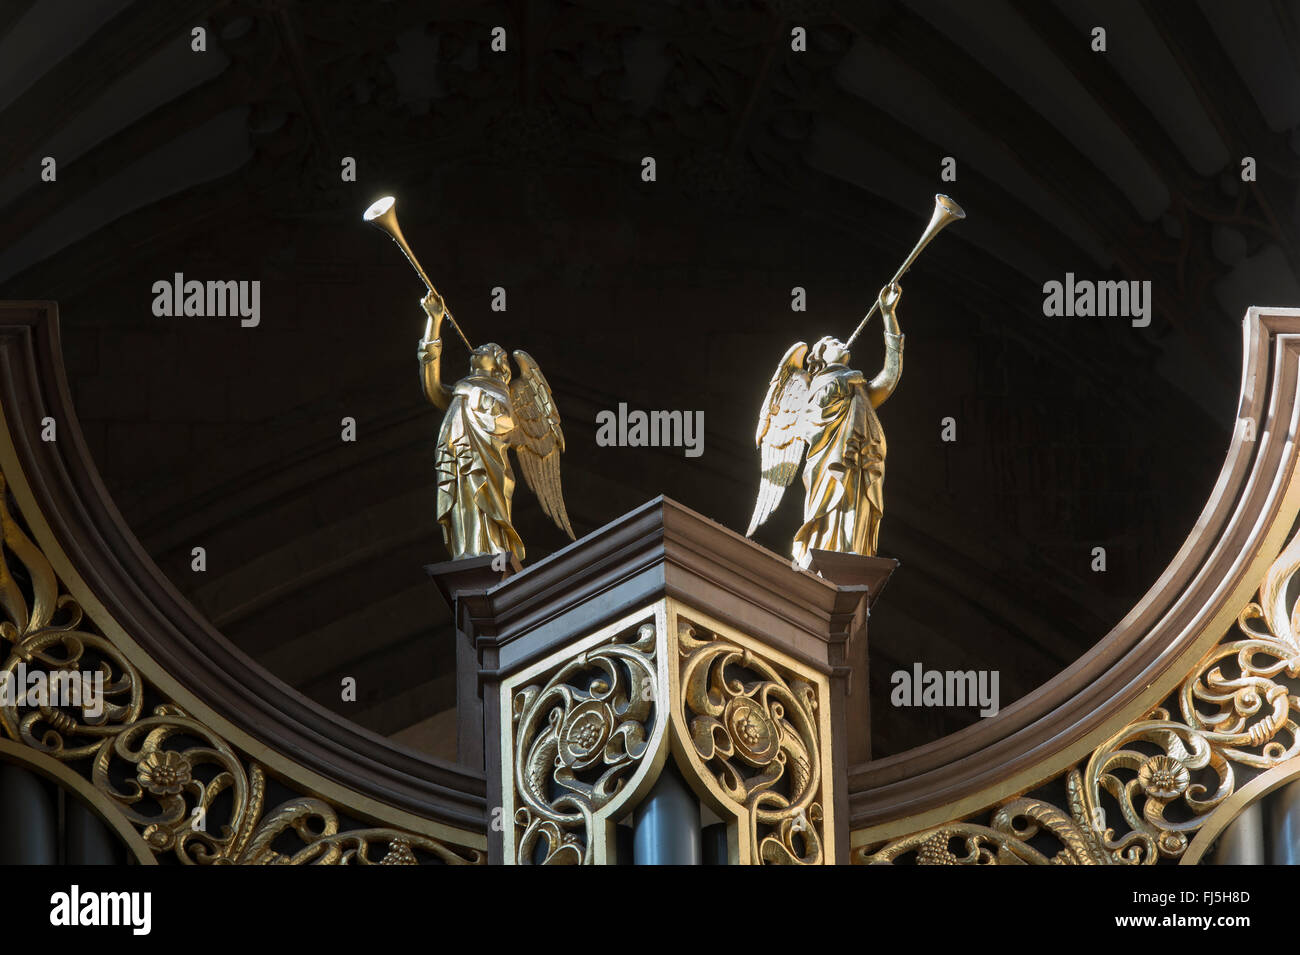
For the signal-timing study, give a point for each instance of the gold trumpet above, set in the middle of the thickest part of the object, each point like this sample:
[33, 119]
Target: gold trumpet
[383, 215]
[945, 213]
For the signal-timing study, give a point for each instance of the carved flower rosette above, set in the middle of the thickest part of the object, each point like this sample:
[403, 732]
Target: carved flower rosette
[578, 739]
[755, 730]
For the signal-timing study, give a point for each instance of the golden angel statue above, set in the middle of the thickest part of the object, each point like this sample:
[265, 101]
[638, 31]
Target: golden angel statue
[488, 412]
[818, 403]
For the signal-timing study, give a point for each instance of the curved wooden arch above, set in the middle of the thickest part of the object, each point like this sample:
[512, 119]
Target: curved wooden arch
[77, 527]
[1243, 527]
[1247, 519]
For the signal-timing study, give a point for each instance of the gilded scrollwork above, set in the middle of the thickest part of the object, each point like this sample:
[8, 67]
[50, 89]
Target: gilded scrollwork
[755, 729]
[578, 738]
[1062, 837]
[165, 772]
[1232, 716]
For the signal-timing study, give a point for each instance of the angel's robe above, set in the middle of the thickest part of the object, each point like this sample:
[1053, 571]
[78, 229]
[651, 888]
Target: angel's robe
[844, 473]
[475, 480]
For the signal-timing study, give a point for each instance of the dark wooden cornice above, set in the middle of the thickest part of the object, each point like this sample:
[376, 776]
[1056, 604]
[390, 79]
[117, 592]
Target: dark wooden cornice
[184, 655]
[664, 549]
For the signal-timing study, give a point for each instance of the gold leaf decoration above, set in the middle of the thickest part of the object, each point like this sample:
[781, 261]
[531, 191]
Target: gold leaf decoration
[164, 772]
[1166, 773]
[577, 740]
[755, 729]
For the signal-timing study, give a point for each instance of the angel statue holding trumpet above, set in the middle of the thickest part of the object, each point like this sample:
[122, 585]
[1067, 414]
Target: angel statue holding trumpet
[487, 413]
[821, 410]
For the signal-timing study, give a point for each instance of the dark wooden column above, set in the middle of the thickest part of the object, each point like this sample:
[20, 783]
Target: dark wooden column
[463, 584]
[860, 577]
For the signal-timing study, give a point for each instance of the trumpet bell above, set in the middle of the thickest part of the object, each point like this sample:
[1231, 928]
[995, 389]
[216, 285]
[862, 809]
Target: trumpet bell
[944, 207]
[946, 212]
[382, 214]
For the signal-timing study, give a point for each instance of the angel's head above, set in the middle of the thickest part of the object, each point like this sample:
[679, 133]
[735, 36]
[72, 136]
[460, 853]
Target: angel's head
[828, 351]
[490, 359]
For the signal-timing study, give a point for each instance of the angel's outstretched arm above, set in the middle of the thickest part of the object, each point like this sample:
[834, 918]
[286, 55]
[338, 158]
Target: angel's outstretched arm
[883, 385]
[431, 355]
[431, 373]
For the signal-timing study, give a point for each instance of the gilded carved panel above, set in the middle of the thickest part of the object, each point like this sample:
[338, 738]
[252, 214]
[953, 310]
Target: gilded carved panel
[755, 725]
[588, 736]
[1144, 794]
[584, 741]
[189, 793]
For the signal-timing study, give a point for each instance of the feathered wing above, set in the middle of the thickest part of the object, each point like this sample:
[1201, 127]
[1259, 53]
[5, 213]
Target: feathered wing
[538, 440]
[780, 438]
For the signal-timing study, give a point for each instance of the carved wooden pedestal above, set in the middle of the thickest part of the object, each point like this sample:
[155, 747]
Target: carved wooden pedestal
[664, 636]
[853, 573]
[462, 584]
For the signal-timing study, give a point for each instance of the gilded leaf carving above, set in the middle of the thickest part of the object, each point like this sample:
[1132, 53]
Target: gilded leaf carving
[578, 738]
[163, 770]
[755, 729]
[1232, 716]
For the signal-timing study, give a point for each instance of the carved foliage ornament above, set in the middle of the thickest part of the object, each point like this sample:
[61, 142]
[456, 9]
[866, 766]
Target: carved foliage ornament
[1235, 714]
[588, 738]
[754, 730]
[578, 740]
[166, 772]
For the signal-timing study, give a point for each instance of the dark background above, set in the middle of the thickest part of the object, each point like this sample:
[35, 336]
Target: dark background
[775, 169]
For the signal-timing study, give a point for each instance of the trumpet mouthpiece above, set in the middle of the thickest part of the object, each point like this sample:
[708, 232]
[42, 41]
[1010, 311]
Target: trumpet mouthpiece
[378, 208]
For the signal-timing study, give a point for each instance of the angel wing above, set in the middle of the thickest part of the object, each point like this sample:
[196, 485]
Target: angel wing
[538, 440]
[779, 437]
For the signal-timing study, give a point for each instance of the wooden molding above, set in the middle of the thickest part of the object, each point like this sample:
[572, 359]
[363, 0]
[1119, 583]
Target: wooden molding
[660, 548]
[77, 525]
[1243, 526]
